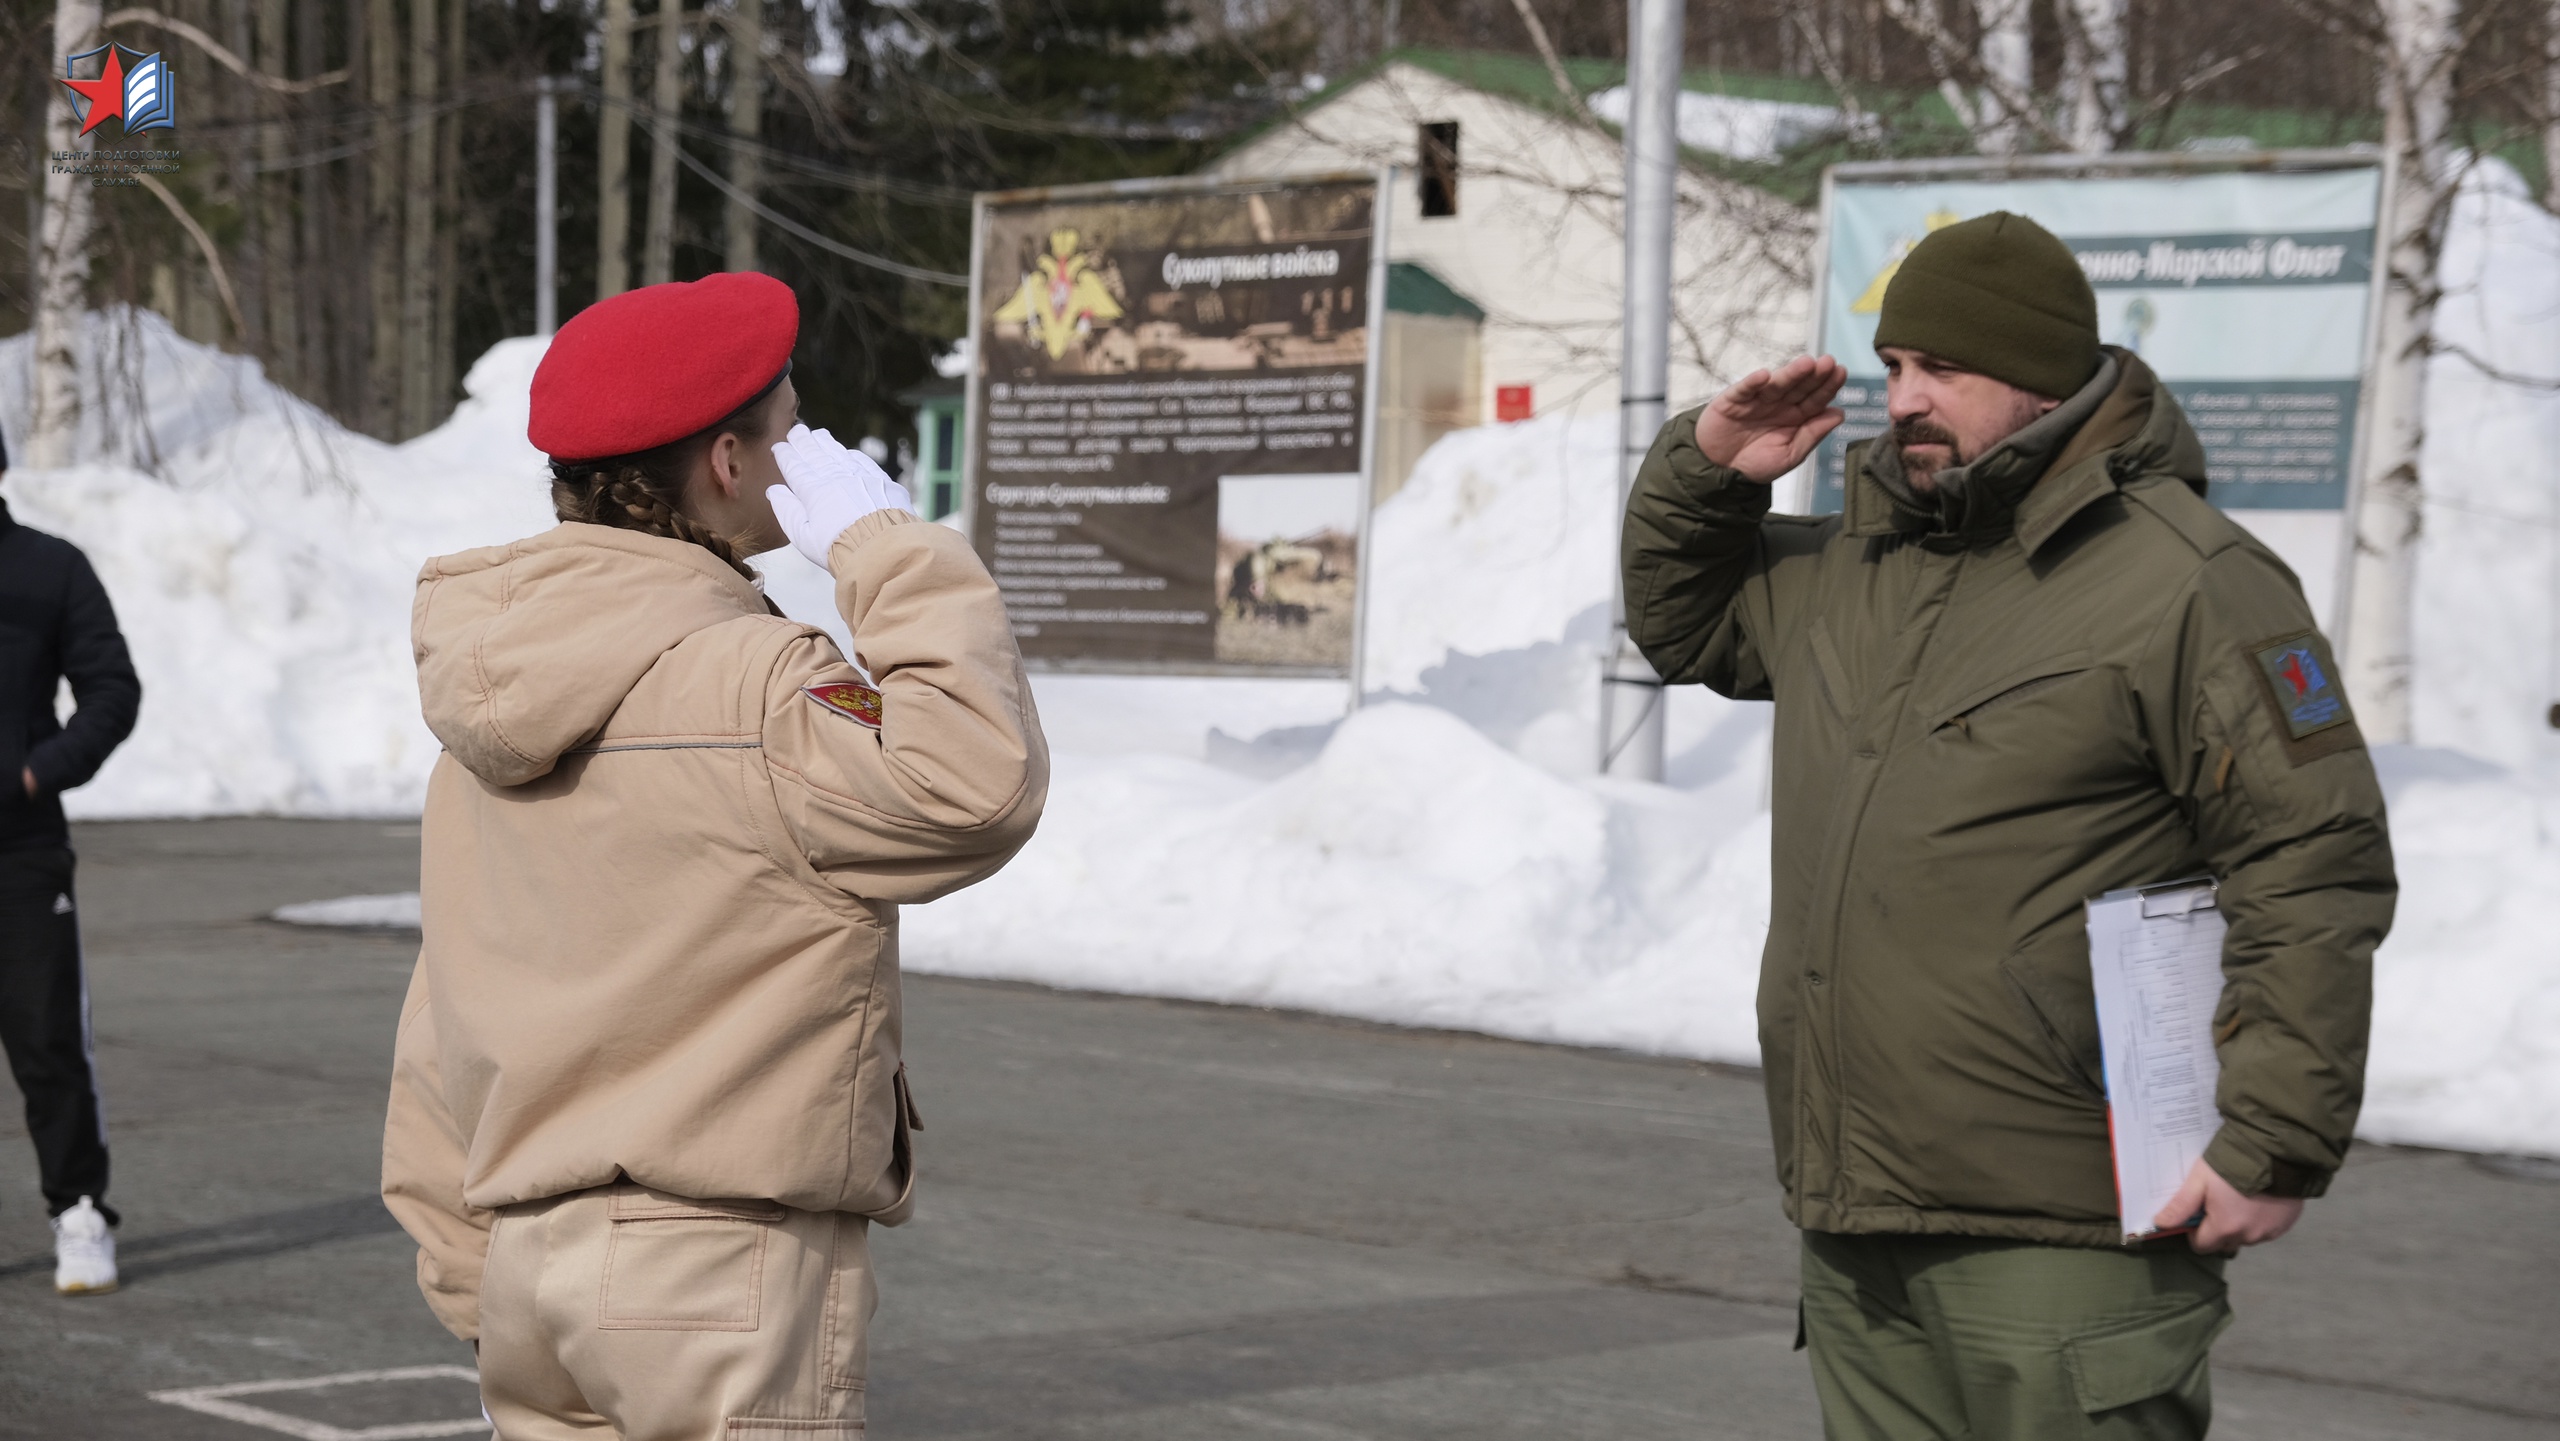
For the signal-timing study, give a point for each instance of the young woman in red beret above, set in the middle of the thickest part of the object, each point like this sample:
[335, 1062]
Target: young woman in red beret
[647, 1095]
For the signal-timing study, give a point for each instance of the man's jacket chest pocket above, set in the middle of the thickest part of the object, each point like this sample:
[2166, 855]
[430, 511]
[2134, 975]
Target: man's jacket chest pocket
[2055, 728]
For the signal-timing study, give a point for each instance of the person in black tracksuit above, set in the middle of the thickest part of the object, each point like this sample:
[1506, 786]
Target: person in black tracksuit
[55, 624]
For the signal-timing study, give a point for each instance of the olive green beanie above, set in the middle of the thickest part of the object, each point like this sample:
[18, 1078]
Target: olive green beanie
[2000, 295]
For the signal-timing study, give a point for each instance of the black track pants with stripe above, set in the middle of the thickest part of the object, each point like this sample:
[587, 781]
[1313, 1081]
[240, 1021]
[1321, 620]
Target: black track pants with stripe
[44, 1022]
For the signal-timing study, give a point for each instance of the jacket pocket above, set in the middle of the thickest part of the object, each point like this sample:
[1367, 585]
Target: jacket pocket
[1827, 669]
[902, 1157]
[2122, 1364]
[2050, 978]
[674, 1264]
[2017, 685]
[852, 1296]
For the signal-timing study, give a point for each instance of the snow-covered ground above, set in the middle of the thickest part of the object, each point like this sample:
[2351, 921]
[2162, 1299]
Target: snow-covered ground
[398, 911]
[1444, 856]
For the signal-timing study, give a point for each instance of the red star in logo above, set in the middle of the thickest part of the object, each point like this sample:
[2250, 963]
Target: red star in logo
[104, 94]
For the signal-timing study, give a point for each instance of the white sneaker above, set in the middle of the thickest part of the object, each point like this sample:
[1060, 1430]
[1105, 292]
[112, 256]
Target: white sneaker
[84, 1252]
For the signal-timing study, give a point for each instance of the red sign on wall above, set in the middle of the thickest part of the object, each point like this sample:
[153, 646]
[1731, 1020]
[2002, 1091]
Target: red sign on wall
[1511, 402]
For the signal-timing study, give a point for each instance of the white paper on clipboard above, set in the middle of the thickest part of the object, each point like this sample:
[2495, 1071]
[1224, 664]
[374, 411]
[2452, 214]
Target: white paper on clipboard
[2155, 961]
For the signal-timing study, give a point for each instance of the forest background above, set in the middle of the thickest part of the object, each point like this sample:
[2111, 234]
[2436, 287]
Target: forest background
[355, 206]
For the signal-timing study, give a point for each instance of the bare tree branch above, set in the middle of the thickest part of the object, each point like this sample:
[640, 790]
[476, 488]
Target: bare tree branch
[204, 244]
[1555, 64]
[1957, 67]
[223, 56]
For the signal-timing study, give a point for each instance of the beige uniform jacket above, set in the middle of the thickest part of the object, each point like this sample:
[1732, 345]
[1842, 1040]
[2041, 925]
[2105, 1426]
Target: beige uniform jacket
[661, 875]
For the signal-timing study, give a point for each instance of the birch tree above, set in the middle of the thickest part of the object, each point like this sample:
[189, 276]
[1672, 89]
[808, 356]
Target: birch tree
[62, 267]
[2551, 105]
[2094, 74]
[2007, 58]
[1991, 85]
[2415, 46]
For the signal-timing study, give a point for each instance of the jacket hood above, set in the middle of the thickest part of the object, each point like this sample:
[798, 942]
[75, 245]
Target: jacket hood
[2121, 426]
[1979, 496]
[526, 650]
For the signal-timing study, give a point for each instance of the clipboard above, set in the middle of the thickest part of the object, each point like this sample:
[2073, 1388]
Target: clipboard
[2155, 966]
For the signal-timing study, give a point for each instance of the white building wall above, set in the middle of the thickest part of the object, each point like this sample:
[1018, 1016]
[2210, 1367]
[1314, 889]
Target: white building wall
[1536, 240]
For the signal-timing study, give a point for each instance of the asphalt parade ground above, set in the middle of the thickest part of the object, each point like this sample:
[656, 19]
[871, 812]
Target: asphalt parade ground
[1141, 1220]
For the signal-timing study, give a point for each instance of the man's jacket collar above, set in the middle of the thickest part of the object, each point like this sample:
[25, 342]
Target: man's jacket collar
[2121, 425]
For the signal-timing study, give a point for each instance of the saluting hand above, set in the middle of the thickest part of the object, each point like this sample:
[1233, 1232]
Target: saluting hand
[826, 489]
[1766, 423]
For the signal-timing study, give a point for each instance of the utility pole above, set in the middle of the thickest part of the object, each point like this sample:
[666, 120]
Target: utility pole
[546, 207]
[1630, 691]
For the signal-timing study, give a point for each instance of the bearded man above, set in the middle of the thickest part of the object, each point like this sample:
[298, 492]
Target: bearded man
[2027, 664]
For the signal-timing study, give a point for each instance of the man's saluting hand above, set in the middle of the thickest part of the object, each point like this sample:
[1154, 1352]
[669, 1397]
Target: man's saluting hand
[1766, 423]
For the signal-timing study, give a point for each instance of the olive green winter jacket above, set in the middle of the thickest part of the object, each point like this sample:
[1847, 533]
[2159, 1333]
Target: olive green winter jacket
[2061, 673]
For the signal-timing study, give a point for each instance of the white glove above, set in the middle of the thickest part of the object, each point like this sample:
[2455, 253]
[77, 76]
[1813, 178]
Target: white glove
[826, 489]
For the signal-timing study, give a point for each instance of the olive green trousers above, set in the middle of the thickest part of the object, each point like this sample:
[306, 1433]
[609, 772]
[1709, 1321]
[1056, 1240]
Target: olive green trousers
[1930, 1338]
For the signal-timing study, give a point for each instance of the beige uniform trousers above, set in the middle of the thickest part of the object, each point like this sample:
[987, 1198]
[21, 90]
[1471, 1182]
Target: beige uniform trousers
[623, 1312]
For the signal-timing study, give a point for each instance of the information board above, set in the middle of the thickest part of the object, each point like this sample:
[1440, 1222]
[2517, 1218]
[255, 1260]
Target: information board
[1169, 414]
[2250, 291]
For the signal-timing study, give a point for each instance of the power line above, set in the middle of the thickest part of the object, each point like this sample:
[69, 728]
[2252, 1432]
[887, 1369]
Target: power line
[834, 247]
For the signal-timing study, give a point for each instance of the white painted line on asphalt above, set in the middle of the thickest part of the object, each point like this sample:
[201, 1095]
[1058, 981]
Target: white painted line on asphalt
[215, 1401]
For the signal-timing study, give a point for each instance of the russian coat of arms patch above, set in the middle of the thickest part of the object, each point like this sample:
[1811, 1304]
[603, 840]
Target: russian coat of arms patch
[858, 703]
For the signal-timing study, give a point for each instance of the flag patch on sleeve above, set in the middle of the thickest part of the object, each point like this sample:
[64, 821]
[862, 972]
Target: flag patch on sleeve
[859, 703]
[2304, 685]
[2300, 680]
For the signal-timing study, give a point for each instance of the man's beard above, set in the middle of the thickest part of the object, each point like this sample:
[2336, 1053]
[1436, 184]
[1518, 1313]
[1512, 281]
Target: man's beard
[2025, 410]
[1908, 433]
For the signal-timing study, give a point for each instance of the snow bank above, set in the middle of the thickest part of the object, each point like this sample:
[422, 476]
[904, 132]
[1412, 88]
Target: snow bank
[2466, 1039]
[1506, 538]
[1445, 856]
[2466, 1026]
[1741, 127]
[396, 912]
[2487, 618]
[263, 575]
[1414, 872]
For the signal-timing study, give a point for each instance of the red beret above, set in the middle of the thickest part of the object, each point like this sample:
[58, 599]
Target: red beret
[656, 364]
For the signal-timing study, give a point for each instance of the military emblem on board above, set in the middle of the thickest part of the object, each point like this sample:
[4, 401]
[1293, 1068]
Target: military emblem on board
[2304, 685]
[858, 703]
[1062, 298]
